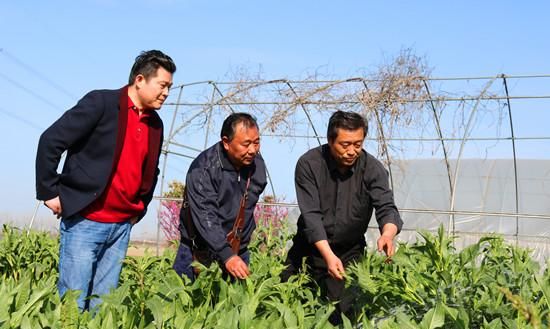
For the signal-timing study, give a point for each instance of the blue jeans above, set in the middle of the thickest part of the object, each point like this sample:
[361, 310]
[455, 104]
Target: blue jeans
[90, 257]
[184, 258]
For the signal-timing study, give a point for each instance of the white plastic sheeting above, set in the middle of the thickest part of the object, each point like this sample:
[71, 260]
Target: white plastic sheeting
[483, 185]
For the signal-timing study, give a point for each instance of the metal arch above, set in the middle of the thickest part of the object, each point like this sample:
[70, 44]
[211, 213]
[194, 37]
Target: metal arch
[529, 76]
[440, 135]
[206, 107]
[165, 147]
[483, 96]
[252, 86]
[404, 100]
[270, 181]
[329, 84]
[215, 85]
[416, 210]
[185, 124]
[457, 170]
[508, 105]
[172, 133]
[381, 132]
[528, 138]
[209, 116]
[305, 111]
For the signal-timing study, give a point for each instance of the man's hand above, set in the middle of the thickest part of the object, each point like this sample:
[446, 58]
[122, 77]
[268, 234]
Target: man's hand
[237, 267]
[335, 267]
[385, 242]
[54, 205]
[134, 220]
[334, 264]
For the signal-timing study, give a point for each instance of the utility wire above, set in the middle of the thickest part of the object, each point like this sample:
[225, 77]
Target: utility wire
[29, 91]
[37, 74]
[21, 119]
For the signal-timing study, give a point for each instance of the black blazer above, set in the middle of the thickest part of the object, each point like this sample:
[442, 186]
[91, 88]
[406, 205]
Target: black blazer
[92, 133]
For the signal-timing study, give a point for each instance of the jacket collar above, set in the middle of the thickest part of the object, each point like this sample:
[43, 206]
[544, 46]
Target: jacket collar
[155, 141]
[122, 123]
[226, 164]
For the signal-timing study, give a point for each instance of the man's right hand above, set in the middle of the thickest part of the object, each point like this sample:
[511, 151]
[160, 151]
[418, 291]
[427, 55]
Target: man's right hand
[334, 264]
[237, 267]
[54, 205]
[335, 267]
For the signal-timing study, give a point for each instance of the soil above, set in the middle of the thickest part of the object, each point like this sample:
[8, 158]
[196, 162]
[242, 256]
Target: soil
[146, 248]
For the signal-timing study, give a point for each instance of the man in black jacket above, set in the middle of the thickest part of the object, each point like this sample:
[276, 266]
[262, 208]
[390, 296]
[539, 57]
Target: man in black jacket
[113, 140]
[338, 185]
[216, 182]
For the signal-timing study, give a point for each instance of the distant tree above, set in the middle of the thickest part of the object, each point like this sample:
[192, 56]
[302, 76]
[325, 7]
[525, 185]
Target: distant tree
[170, 210]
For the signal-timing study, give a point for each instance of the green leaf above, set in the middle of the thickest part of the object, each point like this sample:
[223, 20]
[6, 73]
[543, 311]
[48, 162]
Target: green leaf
[155, 305]
[23, 293]
[495, 324]
[346, 322]
[69, 310]
[405, 322]
[321, 317]
[434, 318]
[33, 301]
[545, 289]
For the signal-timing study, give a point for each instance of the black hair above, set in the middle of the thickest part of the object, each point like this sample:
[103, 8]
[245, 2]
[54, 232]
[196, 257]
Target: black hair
[345, 120]
[147, 64]
[230, 123]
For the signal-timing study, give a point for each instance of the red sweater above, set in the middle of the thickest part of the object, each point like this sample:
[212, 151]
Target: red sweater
[120, 201]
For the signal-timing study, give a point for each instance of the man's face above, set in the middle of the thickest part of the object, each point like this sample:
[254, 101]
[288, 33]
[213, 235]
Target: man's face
[347, 146]
[153, 92]
[244, 146]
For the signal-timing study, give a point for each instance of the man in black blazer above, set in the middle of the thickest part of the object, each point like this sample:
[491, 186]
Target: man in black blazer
[113, 140]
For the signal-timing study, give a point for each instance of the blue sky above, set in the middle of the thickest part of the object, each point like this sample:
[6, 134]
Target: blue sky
[52, 52]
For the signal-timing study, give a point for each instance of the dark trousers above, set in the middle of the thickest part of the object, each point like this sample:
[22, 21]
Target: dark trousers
[184, 258]
[331, 288]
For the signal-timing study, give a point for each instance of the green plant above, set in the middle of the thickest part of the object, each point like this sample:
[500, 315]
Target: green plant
[429, 284]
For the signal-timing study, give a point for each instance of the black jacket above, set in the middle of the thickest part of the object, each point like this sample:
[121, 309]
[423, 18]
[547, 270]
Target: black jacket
[214, 190]
[92, 133]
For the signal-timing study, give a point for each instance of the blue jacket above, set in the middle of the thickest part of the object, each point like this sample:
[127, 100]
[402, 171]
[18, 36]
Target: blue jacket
[92, 133]
[214, 190]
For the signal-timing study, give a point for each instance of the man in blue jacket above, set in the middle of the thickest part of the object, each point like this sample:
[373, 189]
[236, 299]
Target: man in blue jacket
[113, 140]
[217, 180]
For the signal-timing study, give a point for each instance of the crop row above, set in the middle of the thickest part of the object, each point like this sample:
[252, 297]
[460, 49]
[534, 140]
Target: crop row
[427, 284]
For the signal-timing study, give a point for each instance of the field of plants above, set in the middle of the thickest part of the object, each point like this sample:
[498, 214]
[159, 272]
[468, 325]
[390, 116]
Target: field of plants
[426, 285]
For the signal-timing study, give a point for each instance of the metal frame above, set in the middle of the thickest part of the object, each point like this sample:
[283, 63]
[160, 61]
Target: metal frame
[218, 101]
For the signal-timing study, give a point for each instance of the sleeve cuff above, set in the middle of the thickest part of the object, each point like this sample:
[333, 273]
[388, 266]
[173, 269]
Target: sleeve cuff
[225, 254]
[314, 236]
[45, 195]
[396, 221]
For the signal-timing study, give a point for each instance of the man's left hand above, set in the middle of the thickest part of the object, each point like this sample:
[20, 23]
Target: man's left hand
[385, 242]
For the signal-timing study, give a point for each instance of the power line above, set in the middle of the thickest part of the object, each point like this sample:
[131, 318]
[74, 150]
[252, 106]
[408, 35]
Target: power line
[37, 74]
[21, 119]
[29, 91]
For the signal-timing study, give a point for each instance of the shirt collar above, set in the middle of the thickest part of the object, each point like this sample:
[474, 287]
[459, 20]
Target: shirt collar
[133, 107]
[333, 165]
